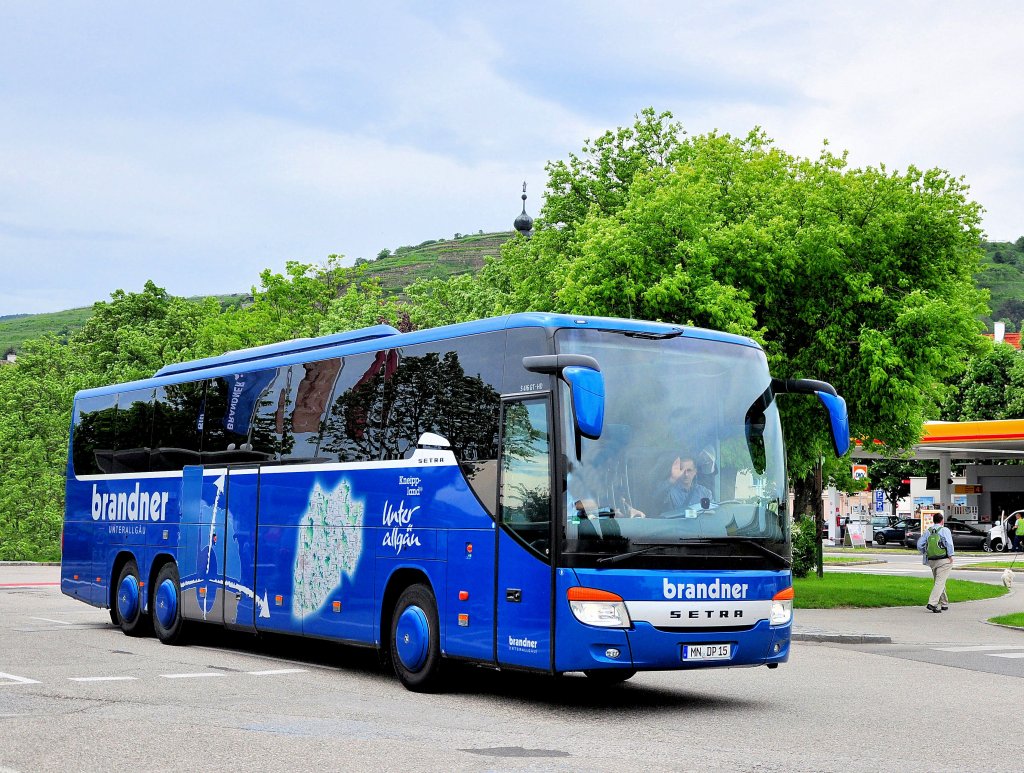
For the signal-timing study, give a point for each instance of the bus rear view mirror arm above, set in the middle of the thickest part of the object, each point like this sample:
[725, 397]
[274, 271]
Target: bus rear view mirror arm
[839, 419]
[586, 387]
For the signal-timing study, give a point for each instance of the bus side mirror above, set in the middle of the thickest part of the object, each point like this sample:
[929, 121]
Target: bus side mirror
[838, 418]
[839, 421]
[587, 388]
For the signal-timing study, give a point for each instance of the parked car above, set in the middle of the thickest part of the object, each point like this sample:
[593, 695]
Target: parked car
[895, 532]
[997, 537]
[966, 536]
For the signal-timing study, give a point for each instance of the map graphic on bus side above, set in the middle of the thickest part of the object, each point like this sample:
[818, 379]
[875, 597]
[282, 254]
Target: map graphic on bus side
[330, 543]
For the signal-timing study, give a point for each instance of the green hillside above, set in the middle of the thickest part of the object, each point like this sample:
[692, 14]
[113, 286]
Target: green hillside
[1002, 274]
[15, 330]
[436, 259]
[430, 259]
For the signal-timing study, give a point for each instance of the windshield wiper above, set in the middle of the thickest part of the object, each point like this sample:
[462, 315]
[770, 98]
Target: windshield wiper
[745, 540]
[630, 554]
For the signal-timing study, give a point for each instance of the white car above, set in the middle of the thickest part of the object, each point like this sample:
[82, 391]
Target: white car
[997, 536]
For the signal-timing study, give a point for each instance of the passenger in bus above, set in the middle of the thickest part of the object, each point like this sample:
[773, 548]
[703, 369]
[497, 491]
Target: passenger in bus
[678, 492]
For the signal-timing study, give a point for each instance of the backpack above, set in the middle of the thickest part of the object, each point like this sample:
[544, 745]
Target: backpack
[934, 548]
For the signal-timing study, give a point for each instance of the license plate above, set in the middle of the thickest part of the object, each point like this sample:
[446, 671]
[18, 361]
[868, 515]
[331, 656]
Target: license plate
[707, 651]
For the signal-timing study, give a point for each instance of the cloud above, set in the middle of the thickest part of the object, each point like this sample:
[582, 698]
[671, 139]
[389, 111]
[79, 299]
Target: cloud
[198, 144]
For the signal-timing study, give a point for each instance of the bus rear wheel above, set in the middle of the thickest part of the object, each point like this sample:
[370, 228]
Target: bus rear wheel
[129, 601]
[415, 639]
[167, 621]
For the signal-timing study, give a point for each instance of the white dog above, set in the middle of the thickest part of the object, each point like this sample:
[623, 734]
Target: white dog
[1008, 577]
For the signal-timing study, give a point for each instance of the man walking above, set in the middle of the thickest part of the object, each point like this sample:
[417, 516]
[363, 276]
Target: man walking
[936, 546]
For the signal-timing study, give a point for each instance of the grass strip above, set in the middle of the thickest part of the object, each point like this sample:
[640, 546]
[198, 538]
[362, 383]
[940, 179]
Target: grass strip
[850, 559]
[1016, 619]
[848, 589]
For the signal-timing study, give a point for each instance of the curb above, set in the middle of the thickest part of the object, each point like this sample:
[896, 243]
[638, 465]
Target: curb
[29, 563]
[841, 638]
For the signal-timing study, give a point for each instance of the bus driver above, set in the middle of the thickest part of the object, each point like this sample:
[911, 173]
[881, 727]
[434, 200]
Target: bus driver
[680, 491]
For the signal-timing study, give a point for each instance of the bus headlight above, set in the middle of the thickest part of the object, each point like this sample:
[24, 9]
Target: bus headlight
[598, 607]
[782, 607]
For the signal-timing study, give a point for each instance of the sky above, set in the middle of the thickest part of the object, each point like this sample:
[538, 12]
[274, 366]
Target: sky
[197, 144]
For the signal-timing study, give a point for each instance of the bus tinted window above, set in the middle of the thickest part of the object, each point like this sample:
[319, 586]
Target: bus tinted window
[229, 432]
[353, 419]
[312, 385]
[268, 422]
[177, 421]
[95, 435]
[450, 389]
[134, 431]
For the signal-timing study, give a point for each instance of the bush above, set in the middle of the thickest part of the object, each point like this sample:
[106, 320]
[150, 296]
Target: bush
[805, 547]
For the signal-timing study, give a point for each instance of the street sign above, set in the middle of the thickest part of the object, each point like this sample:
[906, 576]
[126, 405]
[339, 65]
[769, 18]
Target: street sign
[879, 499]
[966, 488]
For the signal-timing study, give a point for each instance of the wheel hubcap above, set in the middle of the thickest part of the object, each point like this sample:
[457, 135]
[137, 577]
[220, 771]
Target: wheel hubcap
[128, 598]
[412, 638]
[167, 603]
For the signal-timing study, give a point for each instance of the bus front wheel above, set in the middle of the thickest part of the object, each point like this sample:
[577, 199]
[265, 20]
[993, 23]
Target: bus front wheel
[129, 600]
[167, 622]
[415, 641]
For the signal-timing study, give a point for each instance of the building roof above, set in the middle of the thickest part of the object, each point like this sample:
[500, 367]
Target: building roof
[1013, 339]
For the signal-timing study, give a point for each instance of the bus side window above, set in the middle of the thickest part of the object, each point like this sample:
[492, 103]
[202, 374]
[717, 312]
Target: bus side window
[351, 425]
[95, 435]
[269, 431]
[229, 432]
[312, 385]
[177, 427]
[526, 473]
[134, 431]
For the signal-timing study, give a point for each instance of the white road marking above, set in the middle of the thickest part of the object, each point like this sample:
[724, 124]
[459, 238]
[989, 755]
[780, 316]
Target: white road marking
[980, 648]
[278, 671]
[101, 678]
[48, 620]
[1006, 654]
[202, 675]
[12, 679]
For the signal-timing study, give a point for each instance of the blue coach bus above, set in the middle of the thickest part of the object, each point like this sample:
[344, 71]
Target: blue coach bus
[536, 491]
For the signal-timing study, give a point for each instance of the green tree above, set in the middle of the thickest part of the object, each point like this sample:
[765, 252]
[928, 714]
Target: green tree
[987, 387]
[35, 416]
[134, 334]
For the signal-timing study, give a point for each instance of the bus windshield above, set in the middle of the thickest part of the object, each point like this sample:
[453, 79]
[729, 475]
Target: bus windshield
[690, 467]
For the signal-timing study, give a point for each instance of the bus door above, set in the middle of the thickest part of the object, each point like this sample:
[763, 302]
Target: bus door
[524, 566]
[242, 492]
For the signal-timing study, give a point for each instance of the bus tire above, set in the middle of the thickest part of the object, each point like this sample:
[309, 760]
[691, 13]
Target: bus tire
[167, 620]
[129, 601]
[609, 676]
[415, 639]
